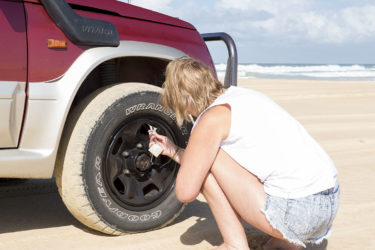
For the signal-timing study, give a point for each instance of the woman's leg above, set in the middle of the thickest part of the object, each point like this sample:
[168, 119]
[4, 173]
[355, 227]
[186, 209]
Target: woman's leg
[227, 219]
[233, 193]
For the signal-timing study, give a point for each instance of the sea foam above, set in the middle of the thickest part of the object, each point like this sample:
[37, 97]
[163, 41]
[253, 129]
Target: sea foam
[303, 71]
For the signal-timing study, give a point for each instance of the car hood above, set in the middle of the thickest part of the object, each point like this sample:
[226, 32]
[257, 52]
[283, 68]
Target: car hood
[127, 10]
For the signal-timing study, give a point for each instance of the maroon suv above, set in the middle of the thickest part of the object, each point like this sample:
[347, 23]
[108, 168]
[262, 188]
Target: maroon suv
[79, 86]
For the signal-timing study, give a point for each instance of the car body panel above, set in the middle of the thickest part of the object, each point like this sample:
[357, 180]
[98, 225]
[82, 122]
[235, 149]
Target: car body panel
[13, 47]
[128, 10]
[13, 70]
[47, 64]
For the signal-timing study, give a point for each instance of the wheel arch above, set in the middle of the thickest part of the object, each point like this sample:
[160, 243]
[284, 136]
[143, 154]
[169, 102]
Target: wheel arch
[143, 62]
[142, 69]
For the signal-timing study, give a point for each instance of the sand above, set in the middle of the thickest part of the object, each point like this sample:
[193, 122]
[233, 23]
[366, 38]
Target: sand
[339, 115]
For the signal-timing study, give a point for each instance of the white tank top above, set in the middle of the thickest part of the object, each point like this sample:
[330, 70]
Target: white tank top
[271, 144]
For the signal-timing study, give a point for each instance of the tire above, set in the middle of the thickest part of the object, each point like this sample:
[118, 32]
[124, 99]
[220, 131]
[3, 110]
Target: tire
[105, 174]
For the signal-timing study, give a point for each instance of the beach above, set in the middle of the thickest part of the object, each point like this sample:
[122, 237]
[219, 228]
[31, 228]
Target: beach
[340, 115]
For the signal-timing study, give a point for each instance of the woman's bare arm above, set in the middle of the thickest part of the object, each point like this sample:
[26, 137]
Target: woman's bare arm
[197, 158]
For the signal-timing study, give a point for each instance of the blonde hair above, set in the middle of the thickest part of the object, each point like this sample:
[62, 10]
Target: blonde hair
[189, 84]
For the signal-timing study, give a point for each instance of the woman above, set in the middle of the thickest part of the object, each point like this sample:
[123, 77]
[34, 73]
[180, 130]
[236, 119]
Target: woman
[250, 159]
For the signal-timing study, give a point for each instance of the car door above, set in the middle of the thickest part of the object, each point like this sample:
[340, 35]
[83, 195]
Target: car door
[13, 71]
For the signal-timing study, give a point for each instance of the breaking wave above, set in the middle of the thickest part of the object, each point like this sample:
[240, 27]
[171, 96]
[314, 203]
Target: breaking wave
[303, 71]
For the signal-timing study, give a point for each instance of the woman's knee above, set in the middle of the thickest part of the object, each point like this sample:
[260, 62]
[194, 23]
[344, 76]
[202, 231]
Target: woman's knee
[209, 185]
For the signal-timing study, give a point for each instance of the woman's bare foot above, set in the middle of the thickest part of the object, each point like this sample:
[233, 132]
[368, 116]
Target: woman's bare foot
[225, 246]
[275, 243]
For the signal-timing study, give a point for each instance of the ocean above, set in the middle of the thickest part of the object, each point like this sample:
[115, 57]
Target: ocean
[346, 72]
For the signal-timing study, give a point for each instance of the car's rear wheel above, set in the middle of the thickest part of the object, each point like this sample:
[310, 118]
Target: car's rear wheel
[105, 174]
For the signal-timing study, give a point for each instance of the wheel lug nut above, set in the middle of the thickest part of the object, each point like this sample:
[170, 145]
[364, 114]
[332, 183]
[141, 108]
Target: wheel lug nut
[139, 146]
[125, 154]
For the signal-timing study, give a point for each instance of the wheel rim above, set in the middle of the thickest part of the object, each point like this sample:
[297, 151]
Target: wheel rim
[135, 179]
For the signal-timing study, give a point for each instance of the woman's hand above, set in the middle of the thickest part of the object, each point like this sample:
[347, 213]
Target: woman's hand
[169, 148]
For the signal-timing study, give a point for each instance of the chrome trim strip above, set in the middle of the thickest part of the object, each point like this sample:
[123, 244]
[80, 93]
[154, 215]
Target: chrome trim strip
[49, 103]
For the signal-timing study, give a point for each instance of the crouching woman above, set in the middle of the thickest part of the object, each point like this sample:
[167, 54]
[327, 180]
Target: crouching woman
[250, 159]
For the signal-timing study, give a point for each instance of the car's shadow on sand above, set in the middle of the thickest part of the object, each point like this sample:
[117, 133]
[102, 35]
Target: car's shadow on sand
[32, 205]
[36, 204]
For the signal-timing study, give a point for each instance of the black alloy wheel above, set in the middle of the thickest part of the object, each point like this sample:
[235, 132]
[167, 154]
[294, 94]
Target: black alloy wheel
[134, 176]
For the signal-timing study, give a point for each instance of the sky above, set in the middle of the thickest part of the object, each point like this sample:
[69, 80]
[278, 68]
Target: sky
[282, 31]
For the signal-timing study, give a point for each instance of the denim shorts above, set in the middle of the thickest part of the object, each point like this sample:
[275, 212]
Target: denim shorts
[303, 220]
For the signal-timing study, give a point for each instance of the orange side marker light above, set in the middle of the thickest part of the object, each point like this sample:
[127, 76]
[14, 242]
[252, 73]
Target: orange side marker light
[56, 44]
